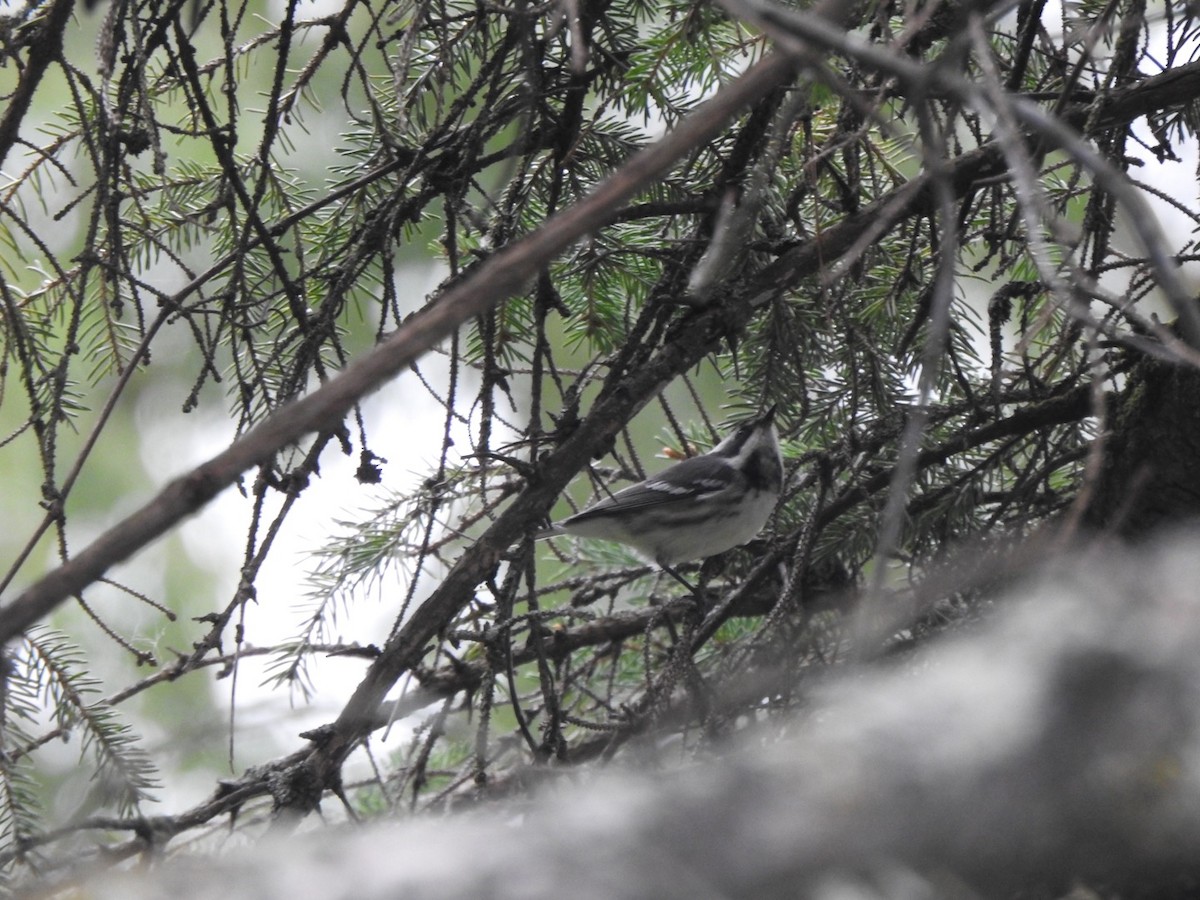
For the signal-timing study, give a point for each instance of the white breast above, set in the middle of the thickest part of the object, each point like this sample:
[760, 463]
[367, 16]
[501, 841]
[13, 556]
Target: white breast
[717, 536]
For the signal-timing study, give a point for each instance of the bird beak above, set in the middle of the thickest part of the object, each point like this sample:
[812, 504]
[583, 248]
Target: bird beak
[769, 416]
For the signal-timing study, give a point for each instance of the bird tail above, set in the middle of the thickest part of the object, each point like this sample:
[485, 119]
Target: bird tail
[549, 532]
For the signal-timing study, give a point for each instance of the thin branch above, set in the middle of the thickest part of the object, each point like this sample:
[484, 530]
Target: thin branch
[496, 278]
[799, 34]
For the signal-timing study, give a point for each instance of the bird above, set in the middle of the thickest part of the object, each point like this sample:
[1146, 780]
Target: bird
[696, 508]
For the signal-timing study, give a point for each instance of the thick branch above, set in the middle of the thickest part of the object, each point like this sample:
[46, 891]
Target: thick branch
[1052, 746]
[1174, 88]
[690, 344]
[1070, 407]
[497, 278]
[44, 49]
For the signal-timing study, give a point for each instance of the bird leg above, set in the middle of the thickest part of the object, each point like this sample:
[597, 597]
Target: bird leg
[694, 589]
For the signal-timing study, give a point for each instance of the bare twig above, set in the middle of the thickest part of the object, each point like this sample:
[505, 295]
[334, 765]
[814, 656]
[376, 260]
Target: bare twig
[799, 34]
[323, 410]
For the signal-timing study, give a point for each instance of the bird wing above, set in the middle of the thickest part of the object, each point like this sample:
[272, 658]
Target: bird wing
[692, 479]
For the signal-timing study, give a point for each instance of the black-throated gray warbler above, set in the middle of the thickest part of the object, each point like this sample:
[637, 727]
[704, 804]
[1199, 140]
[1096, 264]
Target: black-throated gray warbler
[696, 508]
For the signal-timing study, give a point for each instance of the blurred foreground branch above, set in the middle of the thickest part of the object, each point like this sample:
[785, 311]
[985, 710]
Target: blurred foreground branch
[1056, 746]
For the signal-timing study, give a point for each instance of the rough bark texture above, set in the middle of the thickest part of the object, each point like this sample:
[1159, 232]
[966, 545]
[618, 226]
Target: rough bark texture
[1151, 474]
[1053, 750]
